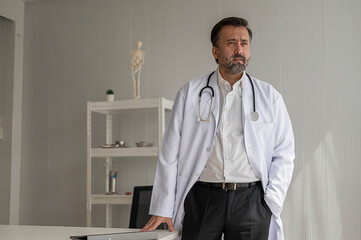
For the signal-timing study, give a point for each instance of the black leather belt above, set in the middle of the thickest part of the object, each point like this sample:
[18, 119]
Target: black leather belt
[231, 186]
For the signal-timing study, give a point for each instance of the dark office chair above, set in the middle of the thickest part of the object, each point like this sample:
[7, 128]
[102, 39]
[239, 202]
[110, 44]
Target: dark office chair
[139, 214]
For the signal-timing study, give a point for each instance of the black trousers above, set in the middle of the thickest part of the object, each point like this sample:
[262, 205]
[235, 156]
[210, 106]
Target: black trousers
[210, 212]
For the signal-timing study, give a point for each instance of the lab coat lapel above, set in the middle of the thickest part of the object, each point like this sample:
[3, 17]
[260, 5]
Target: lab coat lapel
[214, 84]
[250, 138]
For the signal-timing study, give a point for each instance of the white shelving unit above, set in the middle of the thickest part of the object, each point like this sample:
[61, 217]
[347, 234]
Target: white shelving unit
[108, 109]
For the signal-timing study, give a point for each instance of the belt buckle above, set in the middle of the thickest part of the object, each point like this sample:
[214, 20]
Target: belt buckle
[226, 188]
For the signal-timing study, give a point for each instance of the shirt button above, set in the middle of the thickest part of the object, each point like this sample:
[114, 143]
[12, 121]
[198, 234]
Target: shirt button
[226, 139]
[226, 123]
[227, 109]
[208, 149]
[227, 173]
[227, 157]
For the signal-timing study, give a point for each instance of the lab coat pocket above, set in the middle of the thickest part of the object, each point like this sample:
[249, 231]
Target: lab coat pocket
[265, 133]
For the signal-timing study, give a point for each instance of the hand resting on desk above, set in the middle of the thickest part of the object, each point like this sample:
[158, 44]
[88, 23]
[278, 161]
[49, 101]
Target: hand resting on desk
[155, 221]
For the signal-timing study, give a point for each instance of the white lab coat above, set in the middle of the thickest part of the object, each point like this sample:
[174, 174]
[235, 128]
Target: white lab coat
[187, 144]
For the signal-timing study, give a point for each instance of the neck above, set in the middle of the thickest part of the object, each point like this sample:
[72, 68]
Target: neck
[232, 79]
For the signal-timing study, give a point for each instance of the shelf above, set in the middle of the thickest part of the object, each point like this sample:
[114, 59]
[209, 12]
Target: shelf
[156, 106]
[112, 199]
[129, 106]
[125, 152]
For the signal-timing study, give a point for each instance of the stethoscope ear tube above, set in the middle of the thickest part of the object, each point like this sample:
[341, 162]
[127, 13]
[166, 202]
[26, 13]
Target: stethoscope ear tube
[209, 77]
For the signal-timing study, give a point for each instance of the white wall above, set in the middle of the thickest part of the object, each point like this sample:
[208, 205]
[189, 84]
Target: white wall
[11, 62]
[7, 29]
[17, 112]
[75, 50]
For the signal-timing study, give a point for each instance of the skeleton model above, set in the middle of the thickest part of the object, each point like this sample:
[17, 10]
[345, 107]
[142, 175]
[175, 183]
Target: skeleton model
[137, 63]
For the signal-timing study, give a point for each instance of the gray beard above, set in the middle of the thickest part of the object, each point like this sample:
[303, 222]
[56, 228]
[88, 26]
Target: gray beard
[237, 68]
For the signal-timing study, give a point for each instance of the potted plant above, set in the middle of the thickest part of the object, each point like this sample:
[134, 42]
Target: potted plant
[110, 95]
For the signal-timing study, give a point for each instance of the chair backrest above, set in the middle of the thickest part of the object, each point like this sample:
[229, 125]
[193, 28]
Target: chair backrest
[139, 214]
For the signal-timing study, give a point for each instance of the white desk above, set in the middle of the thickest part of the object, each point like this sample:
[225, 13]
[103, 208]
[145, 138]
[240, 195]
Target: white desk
[19, 232]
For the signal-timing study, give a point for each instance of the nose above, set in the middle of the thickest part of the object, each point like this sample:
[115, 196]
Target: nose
[238, 48]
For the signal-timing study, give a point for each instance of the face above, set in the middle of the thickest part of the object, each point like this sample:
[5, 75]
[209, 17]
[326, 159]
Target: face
[233, 51]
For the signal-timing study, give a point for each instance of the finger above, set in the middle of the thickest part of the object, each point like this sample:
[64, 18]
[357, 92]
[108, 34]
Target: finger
[152, 224]
[149, 223]
[170, 224]
[148, 227]
[151, 227]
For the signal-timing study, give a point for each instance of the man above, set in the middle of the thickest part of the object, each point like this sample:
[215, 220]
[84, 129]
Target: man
[225, 165]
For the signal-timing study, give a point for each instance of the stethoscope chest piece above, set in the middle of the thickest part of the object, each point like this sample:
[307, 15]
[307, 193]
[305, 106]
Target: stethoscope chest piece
[254, 116]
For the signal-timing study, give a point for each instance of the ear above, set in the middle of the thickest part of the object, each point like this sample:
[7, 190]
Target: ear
[215, 52]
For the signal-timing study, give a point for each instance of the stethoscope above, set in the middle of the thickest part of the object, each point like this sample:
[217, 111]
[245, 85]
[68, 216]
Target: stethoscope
[254, 115]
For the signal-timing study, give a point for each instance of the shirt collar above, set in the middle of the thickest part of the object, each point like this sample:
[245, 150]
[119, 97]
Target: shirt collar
[225, 85]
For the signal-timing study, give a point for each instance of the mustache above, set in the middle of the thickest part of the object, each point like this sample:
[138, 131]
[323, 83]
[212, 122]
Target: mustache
[238, 56]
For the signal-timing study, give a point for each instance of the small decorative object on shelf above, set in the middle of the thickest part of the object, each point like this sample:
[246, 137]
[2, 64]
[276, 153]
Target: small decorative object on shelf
[137, 63]
[144, 144]
[110, 95]
[112, 183]
[121, 143]
[118, 144]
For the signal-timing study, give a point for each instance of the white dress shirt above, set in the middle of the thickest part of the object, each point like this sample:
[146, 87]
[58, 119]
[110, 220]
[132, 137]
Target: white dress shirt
[228, 161]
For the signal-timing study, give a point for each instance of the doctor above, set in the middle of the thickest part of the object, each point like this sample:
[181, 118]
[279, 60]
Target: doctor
[225, 165]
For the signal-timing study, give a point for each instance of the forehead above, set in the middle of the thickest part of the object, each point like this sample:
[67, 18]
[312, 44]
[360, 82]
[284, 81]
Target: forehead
[231, 32]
